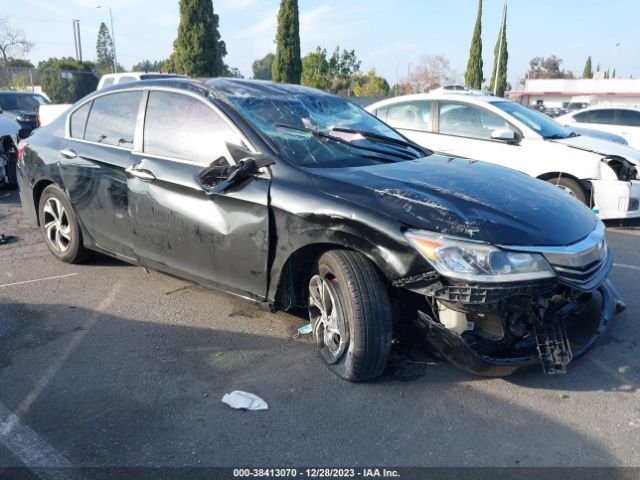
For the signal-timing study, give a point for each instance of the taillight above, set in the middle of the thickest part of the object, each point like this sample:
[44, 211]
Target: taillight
[21, 146]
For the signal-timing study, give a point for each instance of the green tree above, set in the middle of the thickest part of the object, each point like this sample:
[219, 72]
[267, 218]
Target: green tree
[342, 67]
[198, 49]
[263, 67]
[20, 62]
[370, 85]
[66, 80]
[473, 76]
[588, 70]
[149, 66]
[104, 50]
[231, 72]
[501, 55]
[549, 67]
[287, 65]
[315, 70]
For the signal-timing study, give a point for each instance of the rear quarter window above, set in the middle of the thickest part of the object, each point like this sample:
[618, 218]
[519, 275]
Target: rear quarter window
[79, 121]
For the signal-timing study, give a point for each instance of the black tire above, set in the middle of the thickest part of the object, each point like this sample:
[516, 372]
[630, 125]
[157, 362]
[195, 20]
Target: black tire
[69, 247]
[362, 312]
[570, 186]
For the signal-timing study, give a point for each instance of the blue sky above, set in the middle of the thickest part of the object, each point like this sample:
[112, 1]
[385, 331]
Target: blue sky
[386, 34]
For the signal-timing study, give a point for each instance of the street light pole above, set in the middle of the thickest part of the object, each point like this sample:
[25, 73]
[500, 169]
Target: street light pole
[113, 38]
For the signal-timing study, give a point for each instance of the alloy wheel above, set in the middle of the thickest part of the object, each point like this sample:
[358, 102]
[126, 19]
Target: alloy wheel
[327, 319]
[57, 228]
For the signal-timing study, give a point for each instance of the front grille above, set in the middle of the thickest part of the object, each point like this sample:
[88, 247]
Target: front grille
[586, 277]
[583, 265]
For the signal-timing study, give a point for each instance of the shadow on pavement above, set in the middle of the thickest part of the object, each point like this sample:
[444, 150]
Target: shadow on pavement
[114, 391]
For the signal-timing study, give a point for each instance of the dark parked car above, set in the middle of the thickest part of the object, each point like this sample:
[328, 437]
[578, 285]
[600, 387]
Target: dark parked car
[23, 108]
[292, 197]
[10, 134]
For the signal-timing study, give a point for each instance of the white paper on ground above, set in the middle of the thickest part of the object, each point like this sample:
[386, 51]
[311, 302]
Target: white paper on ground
[244, 400]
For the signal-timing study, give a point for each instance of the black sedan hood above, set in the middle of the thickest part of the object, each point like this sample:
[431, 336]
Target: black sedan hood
[464, 198]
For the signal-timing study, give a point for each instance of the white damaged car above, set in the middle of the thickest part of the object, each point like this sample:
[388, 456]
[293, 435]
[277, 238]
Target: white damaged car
[602, 174]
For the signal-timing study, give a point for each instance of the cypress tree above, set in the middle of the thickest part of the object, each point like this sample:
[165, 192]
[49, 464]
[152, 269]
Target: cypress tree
[287, 66]
[587, 72]
[198, 49]
[500, 51]
[473, 76]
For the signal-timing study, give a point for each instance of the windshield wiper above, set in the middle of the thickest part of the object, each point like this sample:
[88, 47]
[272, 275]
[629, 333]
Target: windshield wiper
[327, 136]
[377, 136]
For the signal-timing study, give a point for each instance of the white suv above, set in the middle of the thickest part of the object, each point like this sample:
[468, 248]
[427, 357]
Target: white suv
[118, 78]
[602, 174]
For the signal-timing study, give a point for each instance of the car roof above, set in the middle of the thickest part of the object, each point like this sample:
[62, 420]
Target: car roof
[607, 107]
[220, 85]
[11, 92]
[573, 113]
[473, 98]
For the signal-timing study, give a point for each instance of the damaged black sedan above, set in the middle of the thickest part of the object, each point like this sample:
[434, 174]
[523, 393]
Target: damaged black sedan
[295, 198]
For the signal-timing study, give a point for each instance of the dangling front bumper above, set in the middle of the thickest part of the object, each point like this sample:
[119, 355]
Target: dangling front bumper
[581, 337]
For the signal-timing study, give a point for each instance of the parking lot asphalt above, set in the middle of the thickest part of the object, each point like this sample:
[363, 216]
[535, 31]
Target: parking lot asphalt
[107, 364]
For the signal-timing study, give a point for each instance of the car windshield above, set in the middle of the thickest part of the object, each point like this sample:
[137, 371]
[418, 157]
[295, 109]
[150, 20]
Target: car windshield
[15, 102]
[536, 121]
[316, 129]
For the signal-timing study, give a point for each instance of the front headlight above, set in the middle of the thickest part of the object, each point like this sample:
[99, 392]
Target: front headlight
[476, 261]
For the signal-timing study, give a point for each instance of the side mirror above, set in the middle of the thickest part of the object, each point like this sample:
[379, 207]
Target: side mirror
[24, 133]
[505, 135]
[218, 178]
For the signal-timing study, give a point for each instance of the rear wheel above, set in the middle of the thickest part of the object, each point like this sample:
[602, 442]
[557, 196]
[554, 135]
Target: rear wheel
[60, 227]
[570, 186]
[350, 314]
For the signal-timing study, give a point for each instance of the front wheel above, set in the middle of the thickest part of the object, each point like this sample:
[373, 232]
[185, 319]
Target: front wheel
[350, 314]
[570, 186]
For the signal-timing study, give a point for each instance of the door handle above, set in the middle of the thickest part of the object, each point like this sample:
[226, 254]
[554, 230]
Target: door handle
[68, 153]
[141, 174]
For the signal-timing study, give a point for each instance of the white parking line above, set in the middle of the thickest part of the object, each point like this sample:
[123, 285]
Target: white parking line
[38, 280]
[630, 267]
[24, 443]
[30, 448]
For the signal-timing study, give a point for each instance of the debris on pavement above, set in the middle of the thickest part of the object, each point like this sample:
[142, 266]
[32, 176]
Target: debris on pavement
[305, 329]
[4, 239]
[244, 401]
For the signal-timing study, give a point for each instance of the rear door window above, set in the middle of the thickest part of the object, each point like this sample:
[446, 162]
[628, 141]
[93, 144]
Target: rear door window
[180, 126]
[112, 120]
